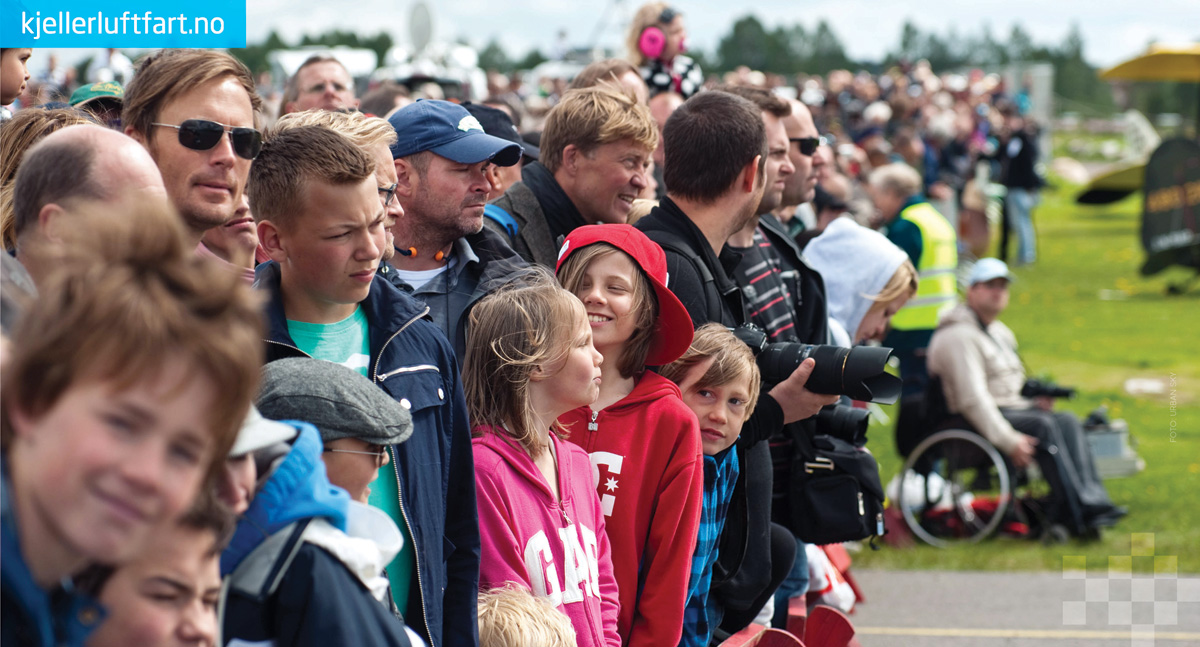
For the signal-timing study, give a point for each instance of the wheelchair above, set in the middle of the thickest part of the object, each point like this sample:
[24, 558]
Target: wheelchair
[955, 486]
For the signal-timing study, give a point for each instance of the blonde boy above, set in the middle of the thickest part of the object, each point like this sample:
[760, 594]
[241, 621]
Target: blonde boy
[720, 383]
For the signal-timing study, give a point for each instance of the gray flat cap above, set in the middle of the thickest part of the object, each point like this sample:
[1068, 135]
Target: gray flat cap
[338, 401]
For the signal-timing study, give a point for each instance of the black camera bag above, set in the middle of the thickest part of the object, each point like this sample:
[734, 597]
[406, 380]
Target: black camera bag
[836, 494]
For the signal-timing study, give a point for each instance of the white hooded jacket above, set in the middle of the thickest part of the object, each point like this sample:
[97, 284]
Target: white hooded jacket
[856, 263]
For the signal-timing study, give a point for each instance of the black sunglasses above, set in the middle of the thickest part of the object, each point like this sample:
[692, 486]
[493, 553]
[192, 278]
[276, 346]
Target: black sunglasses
[388, 193]
[668, 14]
[201, 135]
[808, 145]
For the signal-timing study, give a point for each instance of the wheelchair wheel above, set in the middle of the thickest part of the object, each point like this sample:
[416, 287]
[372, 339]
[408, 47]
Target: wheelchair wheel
[954, 488]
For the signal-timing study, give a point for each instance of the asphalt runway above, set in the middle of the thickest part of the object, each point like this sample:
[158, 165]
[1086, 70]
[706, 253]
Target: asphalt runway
[989, 609]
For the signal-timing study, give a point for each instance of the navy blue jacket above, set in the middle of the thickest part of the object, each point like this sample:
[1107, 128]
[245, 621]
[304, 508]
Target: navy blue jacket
[29, 615]
[412, 360]
[290, 592]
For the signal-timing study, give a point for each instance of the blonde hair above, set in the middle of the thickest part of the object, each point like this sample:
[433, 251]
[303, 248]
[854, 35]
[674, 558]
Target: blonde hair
[903, 282]
[897, 178]
[512, 332]
[126, 295]
[646, 16]
[511, 616]
[732, 360]
[25, 129]
[290, 159]
[366, 132]
[168, 73]
[591, 117]
[640, 209]
[609, 70]
[645, 304]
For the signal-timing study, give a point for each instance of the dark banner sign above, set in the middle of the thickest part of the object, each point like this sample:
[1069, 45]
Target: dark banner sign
[1170, 233]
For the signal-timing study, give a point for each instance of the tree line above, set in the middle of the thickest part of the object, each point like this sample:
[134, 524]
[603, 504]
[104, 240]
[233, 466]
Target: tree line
[795, 48]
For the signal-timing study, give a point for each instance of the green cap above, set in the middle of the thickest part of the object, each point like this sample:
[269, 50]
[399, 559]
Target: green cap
[110, 90]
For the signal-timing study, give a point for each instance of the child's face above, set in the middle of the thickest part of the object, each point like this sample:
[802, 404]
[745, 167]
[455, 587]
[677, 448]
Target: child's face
[721, 409]
[13, 73]
[237, 482]
[103, 468]
[574, 381]
[167, 596]
[606, 290]
[329, 253]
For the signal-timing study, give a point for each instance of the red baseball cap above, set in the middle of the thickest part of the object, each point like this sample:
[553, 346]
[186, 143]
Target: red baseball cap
[673, 330]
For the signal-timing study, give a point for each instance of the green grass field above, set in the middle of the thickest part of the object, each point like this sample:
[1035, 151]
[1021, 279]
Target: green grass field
[1086, 318]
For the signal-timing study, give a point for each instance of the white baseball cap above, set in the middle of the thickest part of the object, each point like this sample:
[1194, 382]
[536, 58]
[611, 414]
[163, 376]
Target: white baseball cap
[258, 432]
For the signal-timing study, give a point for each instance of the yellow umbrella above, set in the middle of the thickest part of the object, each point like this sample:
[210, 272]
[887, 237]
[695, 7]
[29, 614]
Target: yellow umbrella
[1159, 63]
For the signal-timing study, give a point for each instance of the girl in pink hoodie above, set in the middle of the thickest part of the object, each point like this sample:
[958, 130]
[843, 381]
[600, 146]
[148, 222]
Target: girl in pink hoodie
[529, 360]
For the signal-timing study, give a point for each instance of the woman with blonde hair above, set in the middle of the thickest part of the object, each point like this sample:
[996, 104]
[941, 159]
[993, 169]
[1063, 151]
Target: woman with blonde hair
[867, 279]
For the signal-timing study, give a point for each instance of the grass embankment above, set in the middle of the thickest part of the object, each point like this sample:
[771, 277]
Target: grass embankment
[1086, 318]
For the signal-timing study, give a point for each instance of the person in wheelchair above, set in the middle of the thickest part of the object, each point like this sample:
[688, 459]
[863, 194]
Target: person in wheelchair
[975, 357]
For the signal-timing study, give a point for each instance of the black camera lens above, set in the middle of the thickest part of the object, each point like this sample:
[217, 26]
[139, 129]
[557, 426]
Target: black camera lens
[857, 372]
[847, 423]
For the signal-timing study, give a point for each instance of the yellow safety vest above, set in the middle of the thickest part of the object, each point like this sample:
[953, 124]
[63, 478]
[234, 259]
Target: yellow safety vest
[937, 288]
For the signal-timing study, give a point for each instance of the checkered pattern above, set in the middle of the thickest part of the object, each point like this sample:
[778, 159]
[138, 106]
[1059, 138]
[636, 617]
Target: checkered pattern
[1140, 602]
[701, 614]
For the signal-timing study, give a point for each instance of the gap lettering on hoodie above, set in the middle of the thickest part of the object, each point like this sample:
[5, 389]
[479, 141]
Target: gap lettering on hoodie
[581, 570]
[612, 463]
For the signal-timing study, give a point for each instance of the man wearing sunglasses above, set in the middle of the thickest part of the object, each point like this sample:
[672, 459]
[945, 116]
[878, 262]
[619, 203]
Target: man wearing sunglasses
[194, 110]
[805, 140]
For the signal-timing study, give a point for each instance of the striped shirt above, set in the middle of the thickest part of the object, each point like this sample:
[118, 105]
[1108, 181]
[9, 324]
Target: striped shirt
[770, 289]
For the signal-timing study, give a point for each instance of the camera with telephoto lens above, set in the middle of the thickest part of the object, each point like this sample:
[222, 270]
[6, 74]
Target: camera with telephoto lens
[857, 372]
[1037, 389]
[845, 422]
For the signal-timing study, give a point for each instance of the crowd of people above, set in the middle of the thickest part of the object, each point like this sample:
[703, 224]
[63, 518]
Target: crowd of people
[396, 372]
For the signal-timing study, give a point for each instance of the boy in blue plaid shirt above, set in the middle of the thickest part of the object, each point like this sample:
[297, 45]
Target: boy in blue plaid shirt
[719, 381]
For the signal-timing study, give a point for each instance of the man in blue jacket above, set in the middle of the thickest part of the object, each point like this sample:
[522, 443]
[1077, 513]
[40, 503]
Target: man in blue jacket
[320, 218]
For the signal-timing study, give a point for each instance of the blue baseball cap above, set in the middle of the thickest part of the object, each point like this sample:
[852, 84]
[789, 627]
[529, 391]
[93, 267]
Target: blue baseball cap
[448, 130]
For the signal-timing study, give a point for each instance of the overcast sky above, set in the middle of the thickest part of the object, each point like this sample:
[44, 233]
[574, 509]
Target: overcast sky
[1113, 30]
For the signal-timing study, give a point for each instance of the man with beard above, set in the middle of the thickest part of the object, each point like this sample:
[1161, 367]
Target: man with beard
[194, 110]
[444, 255]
